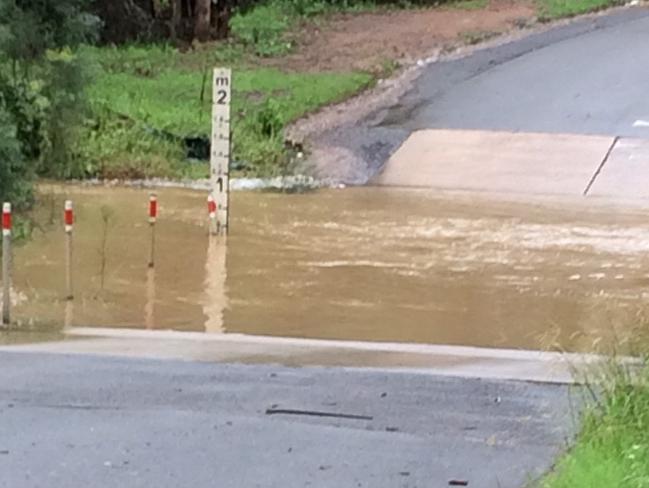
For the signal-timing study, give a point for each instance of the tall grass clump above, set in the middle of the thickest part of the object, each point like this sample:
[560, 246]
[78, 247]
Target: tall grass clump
[612, 449]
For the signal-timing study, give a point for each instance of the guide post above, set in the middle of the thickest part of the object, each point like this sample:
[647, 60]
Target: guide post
[6, 263]
[68, 217]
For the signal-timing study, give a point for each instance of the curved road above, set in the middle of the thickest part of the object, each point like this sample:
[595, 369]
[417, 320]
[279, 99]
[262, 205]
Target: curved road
[588, 77]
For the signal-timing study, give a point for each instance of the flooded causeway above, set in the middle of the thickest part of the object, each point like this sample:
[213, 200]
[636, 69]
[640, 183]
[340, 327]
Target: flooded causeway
[364, 263]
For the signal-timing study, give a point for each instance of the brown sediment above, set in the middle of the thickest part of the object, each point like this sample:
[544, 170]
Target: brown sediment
[366, 264]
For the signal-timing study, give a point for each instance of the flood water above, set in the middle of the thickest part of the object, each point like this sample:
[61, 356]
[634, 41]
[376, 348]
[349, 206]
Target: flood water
[363, 263]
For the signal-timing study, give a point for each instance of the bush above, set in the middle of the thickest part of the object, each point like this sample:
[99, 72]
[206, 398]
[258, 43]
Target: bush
[41, 87]
[112, 146]
[14, 174]
[262, 29]
[269, 118]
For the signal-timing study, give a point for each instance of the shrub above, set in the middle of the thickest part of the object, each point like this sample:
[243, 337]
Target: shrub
[14, 174]
[262, 29]
[41, 86]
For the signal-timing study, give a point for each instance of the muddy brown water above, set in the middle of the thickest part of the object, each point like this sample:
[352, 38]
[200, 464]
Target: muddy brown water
[364, 263]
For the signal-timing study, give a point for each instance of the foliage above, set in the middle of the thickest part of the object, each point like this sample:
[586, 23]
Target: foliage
[613, 447]
[555, 9]
[264, 28]
[268, 119]
[470, 4]
[14, 174]
[112, 146]
[41, 87]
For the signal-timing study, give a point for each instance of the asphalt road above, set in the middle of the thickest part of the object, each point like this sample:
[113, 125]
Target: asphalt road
[587, 77]
[85, 421]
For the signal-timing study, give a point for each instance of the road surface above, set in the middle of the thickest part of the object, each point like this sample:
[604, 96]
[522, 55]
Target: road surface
[587, 77]
[107, 422]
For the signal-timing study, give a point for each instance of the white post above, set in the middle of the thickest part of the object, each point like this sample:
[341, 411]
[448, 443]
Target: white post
[149, 306]
[220, 145]
[6, 263]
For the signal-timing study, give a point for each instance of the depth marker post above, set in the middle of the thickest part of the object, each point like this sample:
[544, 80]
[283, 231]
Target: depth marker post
[6, 263]
[220, 145]
[69, 222]
[153, 215]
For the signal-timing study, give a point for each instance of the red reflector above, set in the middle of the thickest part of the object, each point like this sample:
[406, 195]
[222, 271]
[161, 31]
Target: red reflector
[153, 207]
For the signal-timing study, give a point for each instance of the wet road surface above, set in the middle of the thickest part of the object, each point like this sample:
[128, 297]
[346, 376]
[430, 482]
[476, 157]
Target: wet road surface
[586, 77]
[83, 421]
[591, 82]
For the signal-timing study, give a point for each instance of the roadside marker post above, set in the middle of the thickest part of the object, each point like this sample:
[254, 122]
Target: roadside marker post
[149, 306]
[68, 215]
[220, 146]
[153, 216]
[211, 212]
[6, 263]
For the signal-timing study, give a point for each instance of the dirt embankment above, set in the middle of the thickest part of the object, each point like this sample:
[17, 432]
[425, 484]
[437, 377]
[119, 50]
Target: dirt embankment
[368, 41]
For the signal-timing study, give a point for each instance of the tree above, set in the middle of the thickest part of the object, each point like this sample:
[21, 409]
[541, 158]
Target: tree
[203, 19]
[178, 20]
[14, 175]
[41, 87]
[128, 20]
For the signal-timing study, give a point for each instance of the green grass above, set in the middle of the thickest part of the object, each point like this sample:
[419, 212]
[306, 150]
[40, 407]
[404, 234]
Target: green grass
[172, 101]
[555, 9]
[265, 29]
[147, 99]
[613, 447]
[469, 4]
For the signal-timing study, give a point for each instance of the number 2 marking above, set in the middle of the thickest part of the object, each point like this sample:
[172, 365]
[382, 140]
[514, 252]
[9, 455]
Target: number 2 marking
[221, 96]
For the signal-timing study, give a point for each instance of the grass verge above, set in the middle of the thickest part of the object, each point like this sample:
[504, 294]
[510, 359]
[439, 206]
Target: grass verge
[556, 9]
[612, 449]
[146, 100]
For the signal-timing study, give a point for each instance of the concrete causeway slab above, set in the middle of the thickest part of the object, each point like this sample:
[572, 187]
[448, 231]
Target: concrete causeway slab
[427, 359]
[626, 172]
[499, 162]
